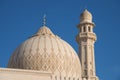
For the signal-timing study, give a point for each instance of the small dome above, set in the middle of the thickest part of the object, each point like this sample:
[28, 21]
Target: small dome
[45, 51]
[86, 16]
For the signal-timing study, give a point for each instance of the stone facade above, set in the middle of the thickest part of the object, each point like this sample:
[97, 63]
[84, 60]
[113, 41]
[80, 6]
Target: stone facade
[20, 74]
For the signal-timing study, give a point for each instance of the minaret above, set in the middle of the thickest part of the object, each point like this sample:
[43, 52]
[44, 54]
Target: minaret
[86, 39]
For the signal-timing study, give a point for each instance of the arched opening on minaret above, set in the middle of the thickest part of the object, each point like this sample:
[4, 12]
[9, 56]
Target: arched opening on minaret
[89, 28]
[84, 29]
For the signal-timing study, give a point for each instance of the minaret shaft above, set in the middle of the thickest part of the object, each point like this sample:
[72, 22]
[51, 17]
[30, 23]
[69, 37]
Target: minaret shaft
[87, 58]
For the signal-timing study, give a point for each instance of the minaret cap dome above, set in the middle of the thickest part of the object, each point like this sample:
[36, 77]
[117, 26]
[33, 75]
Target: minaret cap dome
[86, 16]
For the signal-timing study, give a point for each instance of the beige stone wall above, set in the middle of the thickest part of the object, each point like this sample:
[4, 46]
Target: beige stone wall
[19, 74]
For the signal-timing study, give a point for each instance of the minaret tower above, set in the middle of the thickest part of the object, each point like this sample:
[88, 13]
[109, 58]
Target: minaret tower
[86, 39]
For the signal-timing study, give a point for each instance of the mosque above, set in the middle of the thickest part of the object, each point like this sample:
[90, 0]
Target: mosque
[45, 56]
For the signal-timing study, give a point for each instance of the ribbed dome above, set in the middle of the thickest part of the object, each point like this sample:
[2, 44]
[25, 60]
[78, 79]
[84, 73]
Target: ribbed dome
[86, 16]
[45, 51]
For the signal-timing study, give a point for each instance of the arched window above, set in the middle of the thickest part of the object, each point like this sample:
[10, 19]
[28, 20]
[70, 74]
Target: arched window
[84, 29]
[89, 29]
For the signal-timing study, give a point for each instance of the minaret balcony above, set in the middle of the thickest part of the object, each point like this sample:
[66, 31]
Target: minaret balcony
[87, 36]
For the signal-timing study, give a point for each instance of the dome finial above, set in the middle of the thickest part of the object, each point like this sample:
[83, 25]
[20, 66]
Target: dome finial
[44, 20]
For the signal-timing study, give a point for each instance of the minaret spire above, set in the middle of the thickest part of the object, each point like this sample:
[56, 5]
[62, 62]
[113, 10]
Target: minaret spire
[44, 20]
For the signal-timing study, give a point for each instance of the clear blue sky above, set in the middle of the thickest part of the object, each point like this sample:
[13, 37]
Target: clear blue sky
[20, 19]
